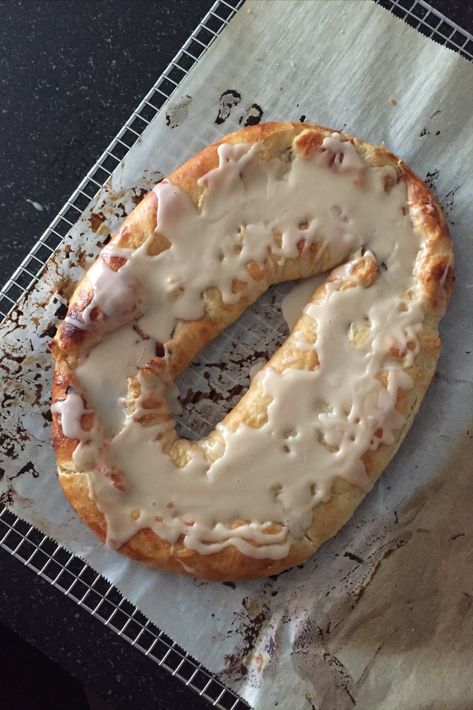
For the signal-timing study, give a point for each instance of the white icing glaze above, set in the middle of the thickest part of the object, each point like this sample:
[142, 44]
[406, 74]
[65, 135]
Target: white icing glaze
[341, 156]
[320, 422]
[104, 372]
[293, 303]
[71, 411]
[172, 285]
[115, 292]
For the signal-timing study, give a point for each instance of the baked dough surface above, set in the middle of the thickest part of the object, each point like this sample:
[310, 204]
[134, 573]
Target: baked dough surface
[435, 276]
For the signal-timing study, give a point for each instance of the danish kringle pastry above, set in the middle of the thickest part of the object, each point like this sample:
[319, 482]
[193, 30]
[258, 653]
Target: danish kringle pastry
[288, 466]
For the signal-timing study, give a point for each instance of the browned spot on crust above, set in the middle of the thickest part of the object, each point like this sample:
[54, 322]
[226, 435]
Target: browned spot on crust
[256, 271]
[114, 262]
[308, 143]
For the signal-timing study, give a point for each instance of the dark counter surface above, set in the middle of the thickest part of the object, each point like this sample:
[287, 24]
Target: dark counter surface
[71, 74]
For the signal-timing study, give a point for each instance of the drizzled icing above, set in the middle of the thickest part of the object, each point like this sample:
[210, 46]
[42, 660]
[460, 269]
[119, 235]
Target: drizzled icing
[104, 371]
[266, 481]
[211, 247]
[115, 292]
[293, 303]
[71, 411]
[340, 156]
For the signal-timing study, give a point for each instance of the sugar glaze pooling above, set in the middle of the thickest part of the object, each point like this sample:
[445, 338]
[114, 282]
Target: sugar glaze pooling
[319, 422]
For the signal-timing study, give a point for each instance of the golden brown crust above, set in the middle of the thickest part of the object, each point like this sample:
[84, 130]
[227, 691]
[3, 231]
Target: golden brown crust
[435, 273]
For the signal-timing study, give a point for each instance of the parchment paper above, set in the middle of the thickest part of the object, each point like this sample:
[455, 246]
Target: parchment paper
[382, 615]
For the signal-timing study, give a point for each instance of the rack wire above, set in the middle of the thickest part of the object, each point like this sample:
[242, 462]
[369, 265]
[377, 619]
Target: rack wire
[47, 558]
[432, 23]
[93, 593]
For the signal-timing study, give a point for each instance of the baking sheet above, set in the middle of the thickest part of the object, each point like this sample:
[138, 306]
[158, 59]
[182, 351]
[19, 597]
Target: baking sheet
[382, 613]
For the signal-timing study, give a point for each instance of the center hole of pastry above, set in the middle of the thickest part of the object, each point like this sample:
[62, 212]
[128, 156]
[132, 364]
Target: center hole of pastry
[220, 375]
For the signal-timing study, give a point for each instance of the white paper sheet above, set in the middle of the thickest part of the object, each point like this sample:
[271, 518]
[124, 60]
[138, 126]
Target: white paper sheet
[382, 615]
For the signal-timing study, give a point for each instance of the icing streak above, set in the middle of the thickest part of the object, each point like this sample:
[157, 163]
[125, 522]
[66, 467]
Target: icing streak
[71, 410]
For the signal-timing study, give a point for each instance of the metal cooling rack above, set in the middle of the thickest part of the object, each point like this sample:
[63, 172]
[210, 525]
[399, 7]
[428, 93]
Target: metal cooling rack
[92, 592]
[48, 559]
[432, 23]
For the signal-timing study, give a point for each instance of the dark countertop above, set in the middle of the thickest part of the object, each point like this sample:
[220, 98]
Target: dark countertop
[71, 74]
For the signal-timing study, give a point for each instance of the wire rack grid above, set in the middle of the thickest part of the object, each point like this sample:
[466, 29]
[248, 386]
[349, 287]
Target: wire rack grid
[92, 592]
[46, 557]
[432, 23]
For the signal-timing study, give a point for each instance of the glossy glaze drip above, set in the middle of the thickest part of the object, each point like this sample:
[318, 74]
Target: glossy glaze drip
[115, 292]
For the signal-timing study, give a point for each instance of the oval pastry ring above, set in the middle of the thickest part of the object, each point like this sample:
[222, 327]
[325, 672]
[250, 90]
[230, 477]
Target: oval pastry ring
[289, 464]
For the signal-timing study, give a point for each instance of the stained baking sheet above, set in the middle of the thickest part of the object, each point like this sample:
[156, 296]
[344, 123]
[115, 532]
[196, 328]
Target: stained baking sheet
[369, 616]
